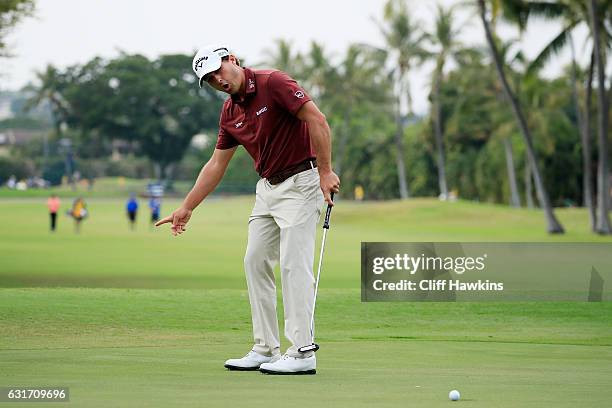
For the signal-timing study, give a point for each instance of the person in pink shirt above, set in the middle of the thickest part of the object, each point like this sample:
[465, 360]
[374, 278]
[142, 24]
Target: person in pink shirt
[53, 203]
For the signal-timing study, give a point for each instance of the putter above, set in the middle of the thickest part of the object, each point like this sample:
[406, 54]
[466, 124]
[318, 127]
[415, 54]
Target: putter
[314, 346]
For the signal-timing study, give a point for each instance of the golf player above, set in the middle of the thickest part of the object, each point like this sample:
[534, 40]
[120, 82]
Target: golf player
[288, 137]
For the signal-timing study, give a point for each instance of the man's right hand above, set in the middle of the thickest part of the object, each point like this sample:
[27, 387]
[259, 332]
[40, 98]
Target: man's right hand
[179, 218]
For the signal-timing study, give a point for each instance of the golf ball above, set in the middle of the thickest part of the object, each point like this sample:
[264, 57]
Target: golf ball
[454, 395]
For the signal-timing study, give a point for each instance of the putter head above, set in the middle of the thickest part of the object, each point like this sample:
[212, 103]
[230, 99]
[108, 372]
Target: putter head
[310, 347]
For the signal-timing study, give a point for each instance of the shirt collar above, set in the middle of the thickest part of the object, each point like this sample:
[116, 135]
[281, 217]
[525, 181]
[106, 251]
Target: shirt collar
[250, 85]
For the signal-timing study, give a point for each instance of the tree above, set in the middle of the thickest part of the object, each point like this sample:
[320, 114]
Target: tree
[554, 227]
[154, 105]
[11, 13]
[444, 38]
[404, 38]
[316, 70]
[479, 130]
[157, 103]
[283, 58]
[572, 14]
[603, 176]
[355, 88]
[510, 61]
[52, 85]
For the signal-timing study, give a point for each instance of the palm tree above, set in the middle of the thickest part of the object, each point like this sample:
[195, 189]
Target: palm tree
[316, 70]
[356, 83]
[553, 225]
[573, 14]
[528, 186]
[282, 57]
[445, 41]
[603, 176]
[510, 61]
[404, 39]
[50, 90]
[584, 123]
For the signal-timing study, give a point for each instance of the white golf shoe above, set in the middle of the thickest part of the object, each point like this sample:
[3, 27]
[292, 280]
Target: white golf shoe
[250, 362]
[288, 365]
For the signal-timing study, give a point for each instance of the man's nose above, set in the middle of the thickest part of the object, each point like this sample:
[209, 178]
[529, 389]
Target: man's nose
[216, 78]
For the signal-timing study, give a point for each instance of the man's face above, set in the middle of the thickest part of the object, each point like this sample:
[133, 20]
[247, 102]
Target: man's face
[228, 78]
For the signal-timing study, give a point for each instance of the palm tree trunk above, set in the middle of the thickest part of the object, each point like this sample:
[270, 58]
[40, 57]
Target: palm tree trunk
[585, 138]
[603, 176]
[528, 185]
[554, 227]
[399, 144]
[439, 136]
[515, 200]
[401, 167]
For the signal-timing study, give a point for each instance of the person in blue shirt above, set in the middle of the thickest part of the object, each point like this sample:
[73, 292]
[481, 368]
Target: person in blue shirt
[132, 210]
[155, 206]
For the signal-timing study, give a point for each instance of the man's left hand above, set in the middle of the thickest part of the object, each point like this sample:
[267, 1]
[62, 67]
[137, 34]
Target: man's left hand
[330, 183]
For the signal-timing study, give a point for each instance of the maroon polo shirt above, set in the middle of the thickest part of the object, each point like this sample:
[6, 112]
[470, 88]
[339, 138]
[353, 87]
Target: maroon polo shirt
[264, 122]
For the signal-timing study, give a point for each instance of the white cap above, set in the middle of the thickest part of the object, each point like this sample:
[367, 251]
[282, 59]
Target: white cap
[208, 59]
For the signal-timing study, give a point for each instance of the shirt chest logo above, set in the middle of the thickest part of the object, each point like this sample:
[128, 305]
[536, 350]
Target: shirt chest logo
[238, 125]
[262, 110]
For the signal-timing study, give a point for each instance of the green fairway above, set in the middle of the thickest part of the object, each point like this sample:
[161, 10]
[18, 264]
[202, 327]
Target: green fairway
[209, 255]
[146, 319]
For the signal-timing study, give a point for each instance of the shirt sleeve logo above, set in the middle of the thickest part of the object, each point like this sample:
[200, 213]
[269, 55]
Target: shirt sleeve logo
[299, 94]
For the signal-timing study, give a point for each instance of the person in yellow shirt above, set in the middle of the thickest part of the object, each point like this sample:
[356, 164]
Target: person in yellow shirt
[78, 213]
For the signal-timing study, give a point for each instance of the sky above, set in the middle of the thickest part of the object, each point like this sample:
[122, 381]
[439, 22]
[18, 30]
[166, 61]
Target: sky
[66, 32]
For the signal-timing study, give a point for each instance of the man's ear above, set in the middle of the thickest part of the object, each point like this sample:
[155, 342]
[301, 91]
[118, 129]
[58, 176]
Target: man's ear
[234, 59]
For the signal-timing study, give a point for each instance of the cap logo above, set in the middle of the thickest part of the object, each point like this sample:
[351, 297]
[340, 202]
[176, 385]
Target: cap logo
[200, 61]
[299, 94]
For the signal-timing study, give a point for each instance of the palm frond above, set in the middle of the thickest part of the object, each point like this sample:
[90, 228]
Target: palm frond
[553, 48]
[547, 10]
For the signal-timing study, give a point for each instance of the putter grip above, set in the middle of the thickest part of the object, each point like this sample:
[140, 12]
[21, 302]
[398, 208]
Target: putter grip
[328, 213]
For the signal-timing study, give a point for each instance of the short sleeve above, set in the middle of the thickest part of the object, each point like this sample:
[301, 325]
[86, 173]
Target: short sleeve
[286, 92]
[224, 139]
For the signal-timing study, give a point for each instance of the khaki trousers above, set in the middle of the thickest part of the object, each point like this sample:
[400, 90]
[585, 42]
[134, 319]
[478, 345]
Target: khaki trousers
[282, 227]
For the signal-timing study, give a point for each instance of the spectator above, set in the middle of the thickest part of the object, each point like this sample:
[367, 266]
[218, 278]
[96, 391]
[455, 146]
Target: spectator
[155, 206]
[53, 203]
[132, 209]
[78, 213]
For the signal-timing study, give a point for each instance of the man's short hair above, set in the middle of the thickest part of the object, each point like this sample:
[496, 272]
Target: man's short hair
[226, 58]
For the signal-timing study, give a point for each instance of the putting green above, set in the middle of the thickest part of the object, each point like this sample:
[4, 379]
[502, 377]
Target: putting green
[163, 348]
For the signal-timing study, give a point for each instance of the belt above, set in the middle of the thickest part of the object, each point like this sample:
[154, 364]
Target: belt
[292, 171]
